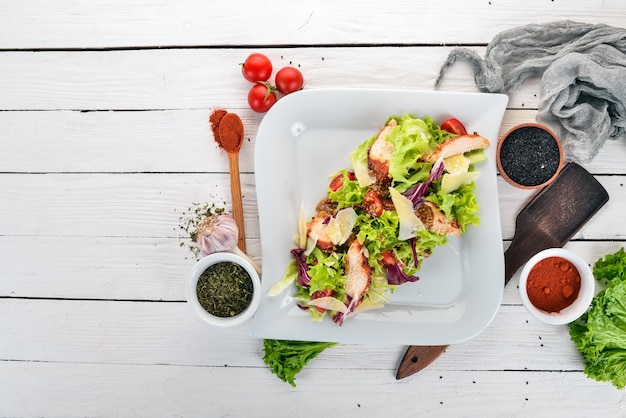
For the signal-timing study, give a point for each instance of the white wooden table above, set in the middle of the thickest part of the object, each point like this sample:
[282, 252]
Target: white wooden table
[104, 142]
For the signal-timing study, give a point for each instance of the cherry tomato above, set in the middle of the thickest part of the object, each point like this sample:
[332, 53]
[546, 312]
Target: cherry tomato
[455, 126]
[388, 259]
[289, 79]
[261, 97]
[257, 67]
[336, 183]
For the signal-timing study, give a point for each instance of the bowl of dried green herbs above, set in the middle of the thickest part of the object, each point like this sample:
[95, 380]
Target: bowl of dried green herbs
[224, 289]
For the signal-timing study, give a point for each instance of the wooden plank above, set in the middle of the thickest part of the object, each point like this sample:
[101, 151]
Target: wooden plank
[158, 141]
[205, 78]
[126, 390]
[605, 225]
[103, 24]
[135, 268]
[113, 205]
[177, 141]
[130, 268]
[125, 332]
[116, 205]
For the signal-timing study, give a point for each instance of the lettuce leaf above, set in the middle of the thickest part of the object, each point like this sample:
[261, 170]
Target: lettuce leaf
[359, 160]
[287, 358]
[349, 194]
[411, 139]
[290, 276]
[461, 204]
[325, 269]
[600, 333]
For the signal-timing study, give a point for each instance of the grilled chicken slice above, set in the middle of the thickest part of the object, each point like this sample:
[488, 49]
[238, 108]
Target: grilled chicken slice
[435, 220]
[315, 231]
[458, 145]
[380, 153]
[358, 273]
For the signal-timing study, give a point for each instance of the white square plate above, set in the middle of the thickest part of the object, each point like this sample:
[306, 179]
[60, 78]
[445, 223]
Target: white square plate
[308, 136]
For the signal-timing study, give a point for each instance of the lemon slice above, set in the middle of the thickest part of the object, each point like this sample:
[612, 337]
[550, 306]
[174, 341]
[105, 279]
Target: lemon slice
[456, 164]
[452, 181]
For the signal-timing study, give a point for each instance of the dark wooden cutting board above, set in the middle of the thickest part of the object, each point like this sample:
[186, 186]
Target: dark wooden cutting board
[549, 220]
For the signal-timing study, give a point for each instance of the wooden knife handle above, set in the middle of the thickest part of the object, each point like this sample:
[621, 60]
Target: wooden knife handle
[418, 357]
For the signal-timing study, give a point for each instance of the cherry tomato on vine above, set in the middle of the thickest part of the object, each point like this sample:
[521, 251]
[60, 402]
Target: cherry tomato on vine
[289, 79]
[257, 67]
[455, 126]
[261, 97]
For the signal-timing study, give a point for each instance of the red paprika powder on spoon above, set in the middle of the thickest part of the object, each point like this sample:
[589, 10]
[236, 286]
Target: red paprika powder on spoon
[553, 284]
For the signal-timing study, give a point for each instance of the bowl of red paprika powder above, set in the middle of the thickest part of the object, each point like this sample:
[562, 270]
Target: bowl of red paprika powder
[556, 286]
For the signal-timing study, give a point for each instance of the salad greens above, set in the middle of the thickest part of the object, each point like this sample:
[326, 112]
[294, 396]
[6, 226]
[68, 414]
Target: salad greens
[405, 196]
[287, 358]
[600, 333]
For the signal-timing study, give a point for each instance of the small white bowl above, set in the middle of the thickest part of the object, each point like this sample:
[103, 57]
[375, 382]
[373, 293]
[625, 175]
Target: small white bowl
[192, 296]
[585, 295]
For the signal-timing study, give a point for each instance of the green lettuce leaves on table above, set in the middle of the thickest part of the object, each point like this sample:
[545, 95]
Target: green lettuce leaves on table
[287, 358]
[600, 333]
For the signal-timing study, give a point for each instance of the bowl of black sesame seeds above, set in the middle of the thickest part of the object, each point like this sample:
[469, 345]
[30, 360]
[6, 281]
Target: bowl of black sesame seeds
[223, 289]
[529, 156]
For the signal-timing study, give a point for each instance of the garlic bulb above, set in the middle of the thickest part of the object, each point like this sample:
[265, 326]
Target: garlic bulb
[220, 233]
[217, 233]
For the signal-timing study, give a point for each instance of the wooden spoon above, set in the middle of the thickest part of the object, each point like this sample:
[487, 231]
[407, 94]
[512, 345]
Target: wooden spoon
[231, 140]
[549, 220]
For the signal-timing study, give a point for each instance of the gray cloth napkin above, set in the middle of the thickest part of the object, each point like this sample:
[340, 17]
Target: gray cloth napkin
[583, 78]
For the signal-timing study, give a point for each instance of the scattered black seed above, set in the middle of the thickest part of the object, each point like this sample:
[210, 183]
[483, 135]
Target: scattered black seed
[541, 345]
[540, 337]
[441, 402]
[359, 405]
[414, 359]
[441, 377]
[529, 156]
[473, 381]
[527, 382]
